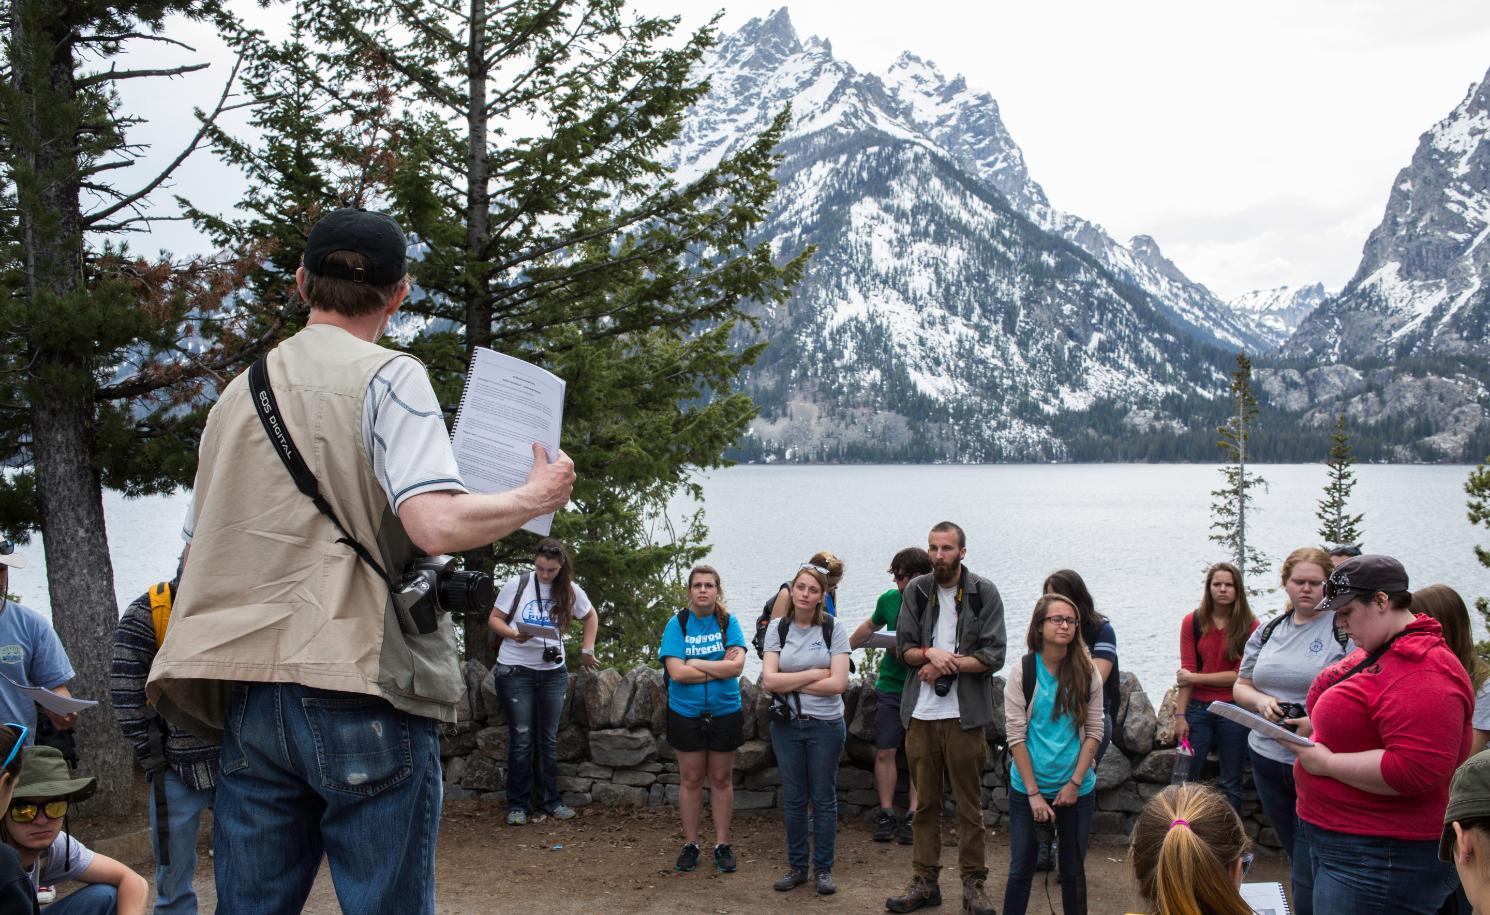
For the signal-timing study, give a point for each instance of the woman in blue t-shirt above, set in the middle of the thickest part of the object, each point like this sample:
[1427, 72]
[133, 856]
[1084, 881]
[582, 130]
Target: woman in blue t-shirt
[703, 650]
[1053, 739]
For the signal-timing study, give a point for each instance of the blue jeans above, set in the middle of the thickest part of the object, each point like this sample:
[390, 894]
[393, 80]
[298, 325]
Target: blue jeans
[534, 701]
[311, 771]
[807, 755]
[95, 899]
[173, 892]
[1279, 799]
[1230, 740]
[1374, 875]
[1073, 827]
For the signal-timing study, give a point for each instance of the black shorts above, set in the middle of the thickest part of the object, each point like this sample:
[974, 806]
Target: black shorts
[721, 734]
[889, 732]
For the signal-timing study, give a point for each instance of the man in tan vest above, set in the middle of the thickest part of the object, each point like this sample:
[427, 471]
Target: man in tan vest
[284, 642]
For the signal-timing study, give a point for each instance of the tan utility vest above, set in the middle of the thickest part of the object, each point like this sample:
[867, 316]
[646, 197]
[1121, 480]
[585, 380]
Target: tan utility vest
[268, 595]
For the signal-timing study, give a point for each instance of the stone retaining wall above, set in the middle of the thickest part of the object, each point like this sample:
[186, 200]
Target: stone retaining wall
[612, 751]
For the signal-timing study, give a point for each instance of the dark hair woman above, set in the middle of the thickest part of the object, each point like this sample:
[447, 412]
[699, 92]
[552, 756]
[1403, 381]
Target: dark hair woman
[1099, 638]
[1445, 605]
[1189, 853]
[1053, 736]
[530, 616]
[703, 651]
[1390, 725]
[807, 672]
[1212, 641]
[1281, 661]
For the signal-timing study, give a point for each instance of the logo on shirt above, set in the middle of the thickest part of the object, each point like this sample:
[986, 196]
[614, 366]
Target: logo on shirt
[12, 654]
[1316, 646]
[701, 646]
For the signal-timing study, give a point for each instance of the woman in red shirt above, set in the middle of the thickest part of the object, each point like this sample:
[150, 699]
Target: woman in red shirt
[1212, 640]
[1390, 724]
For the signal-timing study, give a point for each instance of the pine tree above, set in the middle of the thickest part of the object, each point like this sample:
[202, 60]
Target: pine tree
[1231, 504]
[106, 356]
[1477, 487]
[1336, 525]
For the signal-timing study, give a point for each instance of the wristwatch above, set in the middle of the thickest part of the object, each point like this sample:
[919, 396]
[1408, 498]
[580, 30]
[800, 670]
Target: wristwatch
[589, 651]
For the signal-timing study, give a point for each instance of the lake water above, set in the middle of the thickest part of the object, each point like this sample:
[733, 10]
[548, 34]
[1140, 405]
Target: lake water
[1136, 532]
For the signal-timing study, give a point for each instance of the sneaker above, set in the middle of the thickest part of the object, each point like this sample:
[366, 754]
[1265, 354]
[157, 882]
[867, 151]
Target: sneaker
[1045, 856]
[562, 812]
[724, 859]
[687, 858]
[975, 899]
[920, 892]
[825, 884]
[884, 826]
[46, 895]
[517, 818]
[790, 880]
[906, 835]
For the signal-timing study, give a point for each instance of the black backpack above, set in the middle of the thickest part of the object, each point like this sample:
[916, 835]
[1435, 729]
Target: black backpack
[1027, 674]
[763, 622]
[1267, 631]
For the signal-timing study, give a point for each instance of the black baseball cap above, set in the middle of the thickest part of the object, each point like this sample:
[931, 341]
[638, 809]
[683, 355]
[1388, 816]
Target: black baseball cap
[375, 236]
[1469, 799]
[1363, 575]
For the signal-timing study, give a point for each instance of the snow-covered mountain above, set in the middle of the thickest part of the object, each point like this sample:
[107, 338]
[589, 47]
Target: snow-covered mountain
[950, 312]
[1278, 311]
[1423, 285]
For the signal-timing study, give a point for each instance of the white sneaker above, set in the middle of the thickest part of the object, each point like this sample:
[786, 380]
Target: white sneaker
[46, 895]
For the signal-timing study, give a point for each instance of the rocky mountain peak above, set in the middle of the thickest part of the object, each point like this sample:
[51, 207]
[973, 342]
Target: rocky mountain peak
[761, 42]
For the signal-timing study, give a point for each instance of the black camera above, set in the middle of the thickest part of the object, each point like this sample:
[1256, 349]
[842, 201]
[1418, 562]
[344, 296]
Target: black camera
[782, 711]
[943, 684]
[552, 654]
[1291, 710]
[431, 586]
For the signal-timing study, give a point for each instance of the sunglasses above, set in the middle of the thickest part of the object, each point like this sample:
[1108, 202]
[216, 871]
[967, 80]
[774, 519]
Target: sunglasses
[6, 547]
[26, 811]
[807, 566]
[1333, 589]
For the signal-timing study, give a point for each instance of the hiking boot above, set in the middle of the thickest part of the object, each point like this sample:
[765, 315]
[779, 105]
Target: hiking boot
[687, 858]
[920, 892]
[975, 899]
[1045, 856]
[562, 812]
[906, 834]
[825, 884]
[884, 826]
[724, 859]
[517, 818]
[790, 880]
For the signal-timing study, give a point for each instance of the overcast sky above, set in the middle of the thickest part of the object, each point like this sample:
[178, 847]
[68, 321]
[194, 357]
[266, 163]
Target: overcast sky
[1255, 141]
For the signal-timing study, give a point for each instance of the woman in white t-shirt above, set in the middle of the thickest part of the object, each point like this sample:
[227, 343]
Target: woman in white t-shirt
[530, 616]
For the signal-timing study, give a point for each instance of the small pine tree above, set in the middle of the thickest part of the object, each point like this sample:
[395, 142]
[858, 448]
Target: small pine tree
[1336, 525]
[1478, 489]
[1232, 503]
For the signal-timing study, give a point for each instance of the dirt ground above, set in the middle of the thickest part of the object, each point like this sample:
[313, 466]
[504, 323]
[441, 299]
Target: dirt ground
[618, 861]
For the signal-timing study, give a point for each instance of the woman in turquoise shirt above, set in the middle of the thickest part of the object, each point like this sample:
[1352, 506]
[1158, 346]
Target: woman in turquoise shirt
[703, 651]
[1053, 706]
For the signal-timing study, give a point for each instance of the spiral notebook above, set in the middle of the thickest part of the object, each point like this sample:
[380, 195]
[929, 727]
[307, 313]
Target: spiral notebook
[508, 404]
[1265, 898]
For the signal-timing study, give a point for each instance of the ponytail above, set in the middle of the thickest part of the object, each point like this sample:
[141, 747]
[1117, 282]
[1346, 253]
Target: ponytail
[1184, 847]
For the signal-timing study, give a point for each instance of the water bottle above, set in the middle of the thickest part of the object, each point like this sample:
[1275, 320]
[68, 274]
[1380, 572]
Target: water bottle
[1182, 757]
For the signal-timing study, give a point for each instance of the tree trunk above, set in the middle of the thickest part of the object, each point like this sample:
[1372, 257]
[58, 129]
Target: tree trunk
[80, 577]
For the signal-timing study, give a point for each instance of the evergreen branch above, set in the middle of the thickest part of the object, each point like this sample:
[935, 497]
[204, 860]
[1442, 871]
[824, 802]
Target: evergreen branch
[125, 36]
[114, 75]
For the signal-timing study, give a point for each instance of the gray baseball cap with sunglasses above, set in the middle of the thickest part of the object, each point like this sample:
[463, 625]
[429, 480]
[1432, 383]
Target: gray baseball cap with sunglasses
[1362, 575]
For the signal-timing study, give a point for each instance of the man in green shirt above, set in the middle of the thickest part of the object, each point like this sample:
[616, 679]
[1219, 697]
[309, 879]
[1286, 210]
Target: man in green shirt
[889, 732]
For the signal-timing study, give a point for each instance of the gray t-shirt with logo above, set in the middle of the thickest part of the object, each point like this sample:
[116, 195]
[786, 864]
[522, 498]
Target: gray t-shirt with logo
[805, 650]
[1286, 666]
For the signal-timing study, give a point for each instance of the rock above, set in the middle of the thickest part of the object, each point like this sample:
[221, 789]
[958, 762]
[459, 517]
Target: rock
[1113, 771]
[455, 793]
[1269, 837]
[1157, 767]
[596, 690]
[494, 797]
[566, 714]
[457, 739]
[854, 779]
[1164, 733]
[752, 755]
[851, 697]
[491, 704]
[1139, 722]
[492, 743]
[647, 698]
[454, 770]
[997, 727]
[572, 783]
[762, 713]
[670, 778]
[858, 751]
[591, 770]
[666, 752]
[571, 743]
[1107, 823]
[476, 674]
[1123, 799]
[652, 766]
[575, 798]
[620, 748]
[483, 774]
[861, 798]
[998, 799]
[754, 800]
[615, 715]
[656, 795]
[635, 778]
[611, 795]
[861, 725]
[764, 778]
[1148, 790]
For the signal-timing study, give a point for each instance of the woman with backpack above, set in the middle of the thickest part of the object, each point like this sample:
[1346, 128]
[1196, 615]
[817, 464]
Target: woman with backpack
[531, 677]
[1213, 639]
[806, 671]
[780, 603]
[1053, 710]
[1390, 725]
[1280, 662]
[1100, 640]
[703, 652]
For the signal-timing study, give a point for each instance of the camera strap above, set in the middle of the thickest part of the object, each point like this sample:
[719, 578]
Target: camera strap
[284, 446]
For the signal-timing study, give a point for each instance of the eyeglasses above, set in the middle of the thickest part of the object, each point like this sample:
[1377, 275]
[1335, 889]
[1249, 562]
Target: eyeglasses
[1061, 622]
[20, 742]
[26, 811]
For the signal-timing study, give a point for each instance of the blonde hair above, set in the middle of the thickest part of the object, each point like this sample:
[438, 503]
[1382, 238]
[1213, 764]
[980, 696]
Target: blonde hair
[1305, 554]
[827, 560]
[1185, 844]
